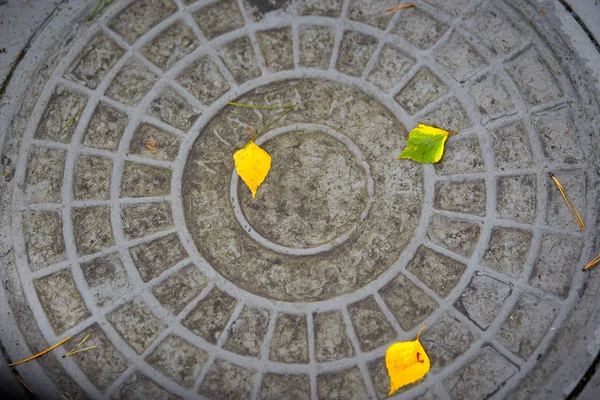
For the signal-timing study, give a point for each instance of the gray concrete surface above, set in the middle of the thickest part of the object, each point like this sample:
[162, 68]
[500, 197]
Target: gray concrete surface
[188, 288]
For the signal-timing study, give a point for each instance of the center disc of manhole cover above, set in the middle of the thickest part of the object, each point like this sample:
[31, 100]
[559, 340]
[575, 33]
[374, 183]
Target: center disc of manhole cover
[318, 191]
[336, 210]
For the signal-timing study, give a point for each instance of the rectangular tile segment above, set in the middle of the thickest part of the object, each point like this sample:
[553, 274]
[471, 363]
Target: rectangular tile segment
[437, 271]
[419, 28]
[175, 292]
[466, 197]
[290, 340]
[219, 17]
[61, 301]
[44, 176]
[457, 235]
[238, 56]
[92, 229]
[512, 149]
[421, 90]
[179, 360]
[226, 381]
[247, 333]
[140, 387]
[517, 198]
[445, 341]
[527, 324]
[482, 300]
[556, 264]
[328, 8]
[146, 218]
[61, 115]
[278, 387]
[173, 109]
[347, 384]
[91, 178]
[139, 17]
[276, 48]
[316, 46]
[171, 45]
[136, 324]
[106, 128]
[331, 341]
[495, 29]
[95, 60]
[165, 144]
[204, 80]
[155, 257]
[43, 238]
[450, 116]
[102, 364]
[380, 378]
[559, 135]
[482, 376]
[507, 250]
[491, 98]
[461, 155]
[107, 279]
[132, 83]
[460, 59]
[372, 13]
[370, 324]
[409, 303]
[391, 67]
[356, 50]
[141, 180]
[211, 315]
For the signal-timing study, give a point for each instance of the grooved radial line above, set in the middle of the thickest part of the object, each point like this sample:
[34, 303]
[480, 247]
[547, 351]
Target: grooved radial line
[130, 224]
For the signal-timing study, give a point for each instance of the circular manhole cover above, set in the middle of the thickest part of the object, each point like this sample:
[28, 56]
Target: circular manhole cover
[131, 226]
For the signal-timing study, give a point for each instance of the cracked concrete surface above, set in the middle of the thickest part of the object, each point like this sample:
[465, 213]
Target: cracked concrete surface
[188, 288]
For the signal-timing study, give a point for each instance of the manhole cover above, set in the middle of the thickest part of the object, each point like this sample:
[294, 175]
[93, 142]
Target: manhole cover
[130, 225]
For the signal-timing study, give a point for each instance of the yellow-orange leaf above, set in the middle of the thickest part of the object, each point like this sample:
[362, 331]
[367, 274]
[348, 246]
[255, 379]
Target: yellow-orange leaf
[406, 363]
[252, 165]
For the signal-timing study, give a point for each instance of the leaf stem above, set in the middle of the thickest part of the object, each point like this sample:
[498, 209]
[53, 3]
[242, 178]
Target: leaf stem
[286, 107]
[231, 103]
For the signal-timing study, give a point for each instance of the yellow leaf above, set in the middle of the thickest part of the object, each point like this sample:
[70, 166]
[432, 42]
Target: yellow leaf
[425, 144]
[252, 165]
[406, 363]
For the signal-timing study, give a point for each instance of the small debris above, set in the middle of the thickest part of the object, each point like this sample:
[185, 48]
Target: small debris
[41, 353]
[394, 9]
[569, 202]
[594, 261]
[150, 145]
[75, 350]
[542, 11]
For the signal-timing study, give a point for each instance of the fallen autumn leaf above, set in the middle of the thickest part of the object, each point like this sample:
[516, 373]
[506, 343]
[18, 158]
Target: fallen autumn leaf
[425, 144]
[406, 362]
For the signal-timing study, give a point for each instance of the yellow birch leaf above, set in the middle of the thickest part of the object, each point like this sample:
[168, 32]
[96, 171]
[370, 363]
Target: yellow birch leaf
[425, 144]
[406, 363]
[252, 164]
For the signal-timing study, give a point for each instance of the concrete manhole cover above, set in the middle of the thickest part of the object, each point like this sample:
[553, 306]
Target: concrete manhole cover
[126, 221]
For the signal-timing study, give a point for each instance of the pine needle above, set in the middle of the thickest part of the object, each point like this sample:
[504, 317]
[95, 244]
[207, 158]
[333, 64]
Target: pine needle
[286, 107]
[41, 353]
[23, 382]
[394, 9]
[569, 202]
[594, 261]
[75, 350]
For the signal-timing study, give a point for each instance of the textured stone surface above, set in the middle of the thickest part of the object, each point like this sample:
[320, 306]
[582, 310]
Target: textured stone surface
[471, 381]
[325, 8]
[461, 155]
[370, 324]
[527, 324]
[379, 377]
[372, 14]
[356, 50]
[422, 89]
[43, 238]
[285, 387]
[419, 28]
[316, 46]
[456, 235]
[219, 17]
[91, 178]
[61, 300]
[460, 59]
[171, 45]
[558, 134]
[136, 324]
[557, 261]
[178, 359]
[140, 387]
[61, 115]
[439, 272]
[247, 333]
[451, 115]
[226, 381]
[104, 364]
[517, 199]
[390, 68]
[165, 144]
[507, 250]
[132, 83]
[92, 229]
[211, 315]
[331, 340]
[45, 169]
[465, 197]
[139, 17]
[558, 213]
[290, 343]
[511, 146]
[146, 218]
[100, 54]
[409, 303]
[107, 279]
[496, 31]
[482, 299]
[347, 384]
[276, 47]
[491, 98]
[154, 257]
[105, 128]
[452, 7]
[239, 58]
[177, 290]
[171, 108]
[204, 80]
[445, 341]
[140, 180]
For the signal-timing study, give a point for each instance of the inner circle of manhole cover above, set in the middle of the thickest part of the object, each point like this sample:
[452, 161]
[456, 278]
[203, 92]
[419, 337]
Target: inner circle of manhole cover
[126, 222]
[336, 210]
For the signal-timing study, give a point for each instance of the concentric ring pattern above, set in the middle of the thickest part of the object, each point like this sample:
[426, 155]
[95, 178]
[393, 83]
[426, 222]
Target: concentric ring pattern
[130, 229]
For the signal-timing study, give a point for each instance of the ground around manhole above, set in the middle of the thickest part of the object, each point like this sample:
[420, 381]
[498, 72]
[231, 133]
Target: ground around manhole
[125, 224]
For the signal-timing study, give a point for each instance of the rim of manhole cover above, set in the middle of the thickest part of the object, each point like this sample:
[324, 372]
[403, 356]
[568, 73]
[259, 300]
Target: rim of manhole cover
[128, 223]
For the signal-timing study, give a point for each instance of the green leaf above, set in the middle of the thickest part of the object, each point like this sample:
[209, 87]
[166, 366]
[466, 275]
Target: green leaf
[425, 144]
